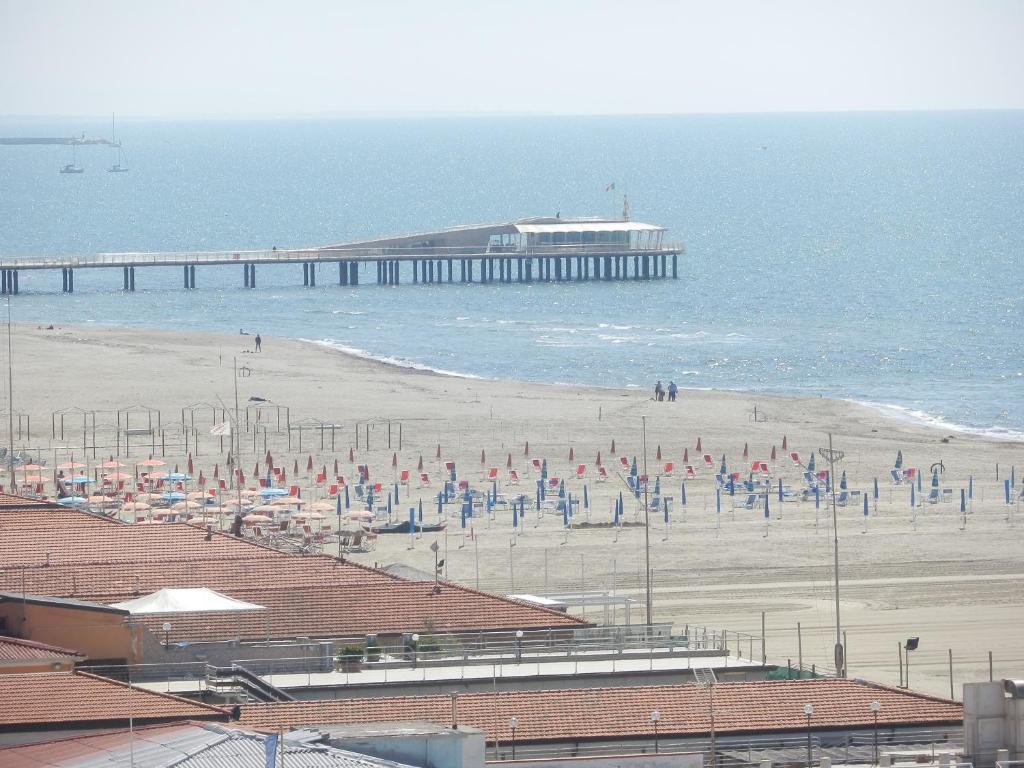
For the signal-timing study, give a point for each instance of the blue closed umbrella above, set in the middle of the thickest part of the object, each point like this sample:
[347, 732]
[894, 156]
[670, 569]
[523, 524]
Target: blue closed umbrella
[622, 505]
[865, 505]
[633, 469]
[347, 500]
[963, 501]
[810, 463]
[970, 487]
[586, 499]
[682, 493]
[420, 509]
[412, 519]
[396, 494]
[544, 469]
[842, 482]
[935, 479]
[657, 486]
[817, 497]
[1006, 487]
[389, 505]
[767, 513]
[876, 489]
[440, 498]
[913, 500]
[540, 492]
[919, 482]
[718, 501]
[899, 460]
[337, 505]
[664, 505]
[723, 470]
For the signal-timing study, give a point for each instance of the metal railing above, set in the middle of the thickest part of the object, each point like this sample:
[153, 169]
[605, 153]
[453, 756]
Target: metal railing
[330, 254]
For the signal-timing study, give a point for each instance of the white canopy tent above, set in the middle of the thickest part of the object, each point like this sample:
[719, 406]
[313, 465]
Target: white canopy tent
[185, 600]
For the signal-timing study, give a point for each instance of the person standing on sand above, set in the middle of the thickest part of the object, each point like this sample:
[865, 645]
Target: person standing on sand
[672, 390]
[259, 342]
[659, 391]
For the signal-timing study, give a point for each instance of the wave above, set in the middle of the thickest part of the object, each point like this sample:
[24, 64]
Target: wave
[922, 417]
[388, 360]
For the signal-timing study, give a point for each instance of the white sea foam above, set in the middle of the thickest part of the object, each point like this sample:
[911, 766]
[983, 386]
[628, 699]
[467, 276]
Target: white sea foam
[921, 417]
[387, 360]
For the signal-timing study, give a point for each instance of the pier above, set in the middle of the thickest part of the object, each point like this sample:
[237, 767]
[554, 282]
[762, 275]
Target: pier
[524, 251]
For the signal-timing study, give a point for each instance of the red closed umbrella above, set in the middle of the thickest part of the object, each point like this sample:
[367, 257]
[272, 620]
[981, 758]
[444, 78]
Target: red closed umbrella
[526, 449]
[659, 453]
[419, 467]
[686, 455]
[351, 456]
[744, 450]
[613, 446]
[570, 453]
[698, 445]
[598, 461]
[508, 462]
[256, 472]
[191, 471]
[216, 471]
[773, 453]
[394, 460]
[202, 480]
[783, 442]
[295, 467]
[269, 459]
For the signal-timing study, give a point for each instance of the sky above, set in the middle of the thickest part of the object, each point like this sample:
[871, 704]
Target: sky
[229, 58]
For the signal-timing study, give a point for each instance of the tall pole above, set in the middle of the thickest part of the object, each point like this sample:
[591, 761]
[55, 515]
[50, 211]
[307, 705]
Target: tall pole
[238, 440]
[10, 397]
[647, 527]
[839, 655]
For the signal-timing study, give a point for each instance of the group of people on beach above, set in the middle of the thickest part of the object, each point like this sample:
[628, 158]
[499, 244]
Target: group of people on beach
[659, 391]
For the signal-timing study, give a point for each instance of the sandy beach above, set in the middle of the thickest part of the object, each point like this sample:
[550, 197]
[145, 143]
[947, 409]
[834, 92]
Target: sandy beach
[956, 582]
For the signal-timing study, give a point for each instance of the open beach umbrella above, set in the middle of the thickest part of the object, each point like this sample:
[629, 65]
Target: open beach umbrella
[72, 501]
[265, 492]
[173, 496]
[256, 518]
[118, 476]
[151, 462]
[71, 465]
[30, 467]
[36, 479]
[899, 460]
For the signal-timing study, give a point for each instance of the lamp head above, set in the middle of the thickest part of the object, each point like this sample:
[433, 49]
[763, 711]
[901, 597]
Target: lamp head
[808, 709]
[519, 634]
[911, 644]
[167, 626]
[513, 723]
[655, 716]
[874, 706]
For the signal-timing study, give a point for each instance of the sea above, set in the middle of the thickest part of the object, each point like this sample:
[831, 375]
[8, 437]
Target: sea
[877, 257]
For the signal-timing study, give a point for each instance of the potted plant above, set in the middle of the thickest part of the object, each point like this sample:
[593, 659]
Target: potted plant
[351, 658]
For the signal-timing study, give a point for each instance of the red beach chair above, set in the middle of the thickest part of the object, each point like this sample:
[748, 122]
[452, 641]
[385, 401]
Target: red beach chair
[691, 473]
[513, 477]
[581, 471]
[668, 469]
[403, 478]
[708, 461]
[424, 480]
[795, 458]
[602, 474]
[624, 463]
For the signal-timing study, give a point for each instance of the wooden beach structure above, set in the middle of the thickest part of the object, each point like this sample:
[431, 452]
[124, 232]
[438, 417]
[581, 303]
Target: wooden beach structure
[549, 249]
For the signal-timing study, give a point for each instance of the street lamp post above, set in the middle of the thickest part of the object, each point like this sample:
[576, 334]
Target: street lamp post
[513, 723]
[875, 706]
[519, 645]
[809, 711]
[415, 650]
[655, 719]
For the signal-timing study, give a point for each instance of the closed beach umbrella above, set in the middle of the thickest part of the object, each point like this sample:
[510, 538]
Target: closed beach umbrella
[682, 493]
[970, 487]
[899, 460]
[767, 512]
[396, 493]
[865, 505]
[295, 467]
[659, 453]
[394, 460]
[810, 463]
[963, 501]
[613, 446]
[309, 464]
[508, 462]
[351, 456]
[773, 453]
[269, 460]
[785, 445]
[723, 470]
[686, 455]
[419, 466]
[336, 473]
[597, 462]
[438, 456]
[935, 479]
[746, 450]
[419, 508]
[571, 454]
[483, 456]
[526, 448]
[586, 498]
[216, 471]
[918, 482]
[875, 490]
[632, 468]
[913, 501]
[347, 501]
[842, 481]
[191, 469]
[698, 445]
[544, 469]
[718, 501]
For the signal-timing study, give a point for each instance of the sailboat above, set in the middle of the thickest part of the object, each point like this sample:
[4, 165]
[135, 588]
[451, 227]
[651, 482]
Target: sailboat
[116, 167]
[73, 166]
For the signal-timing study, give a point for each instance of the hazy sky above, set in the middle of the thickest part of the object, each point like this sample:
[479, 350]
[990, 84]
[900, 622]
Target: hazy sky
[226, 58]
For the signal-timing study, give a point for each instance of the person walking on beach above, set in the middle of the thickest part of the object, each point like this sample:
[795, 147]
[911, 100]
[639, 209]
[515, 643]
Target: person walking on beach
[672, 390]
[659, 391]
[259, 342]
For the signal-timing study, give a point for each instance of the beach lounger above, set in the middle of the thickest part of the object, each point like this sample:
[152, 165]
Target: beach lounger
[842, 498]
[332, 490]
[910, 473]
[537, 465]
[748, 502]
[463, 486]
[403, 477]
[708, 461]
[691, 473]
[553, 483]
[449, 467]
[581, 471]
[896, 476]
[321, 478]
[795, 458]
[668, 469]
[513, 477]
[624, 463]
[424, 480]
[602, 475]
[492, 474]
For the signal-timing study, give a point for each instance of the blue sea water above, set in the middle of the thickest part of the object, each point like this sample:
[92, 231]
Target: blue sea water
[876, 257]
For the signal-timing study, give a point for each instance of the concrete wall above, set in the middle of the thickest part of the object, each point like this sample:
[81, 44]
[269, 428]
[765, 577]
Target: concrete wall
[427, 748]
[95, 634]
[660, 760]
[993, 721]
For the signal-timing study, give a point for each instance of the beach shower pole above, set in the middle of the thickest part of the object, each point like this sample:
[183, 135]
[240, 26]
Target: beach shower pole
[832, 456]
[647, 525]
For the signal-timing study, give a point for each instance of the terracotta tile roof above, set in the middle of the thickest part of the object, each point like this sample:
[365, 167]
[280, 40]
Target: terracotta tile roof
[68, 553]
[606, 713]
[74, 699]
[16, 649]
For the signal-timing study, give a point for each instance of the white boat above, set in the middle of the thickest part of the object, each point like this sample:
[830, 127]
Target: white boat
[73, 166]
[116, 167]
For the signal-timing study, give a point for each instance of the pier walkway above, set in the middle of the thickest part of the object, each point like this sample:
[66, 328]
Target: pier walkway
[550, 250]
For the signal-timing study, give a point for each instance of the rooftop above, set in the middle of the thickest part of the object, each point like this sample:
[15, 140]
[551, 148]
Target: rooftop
[182, 745]
[60, 553]
[79, 699]
[18, 650]
[624, 712]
